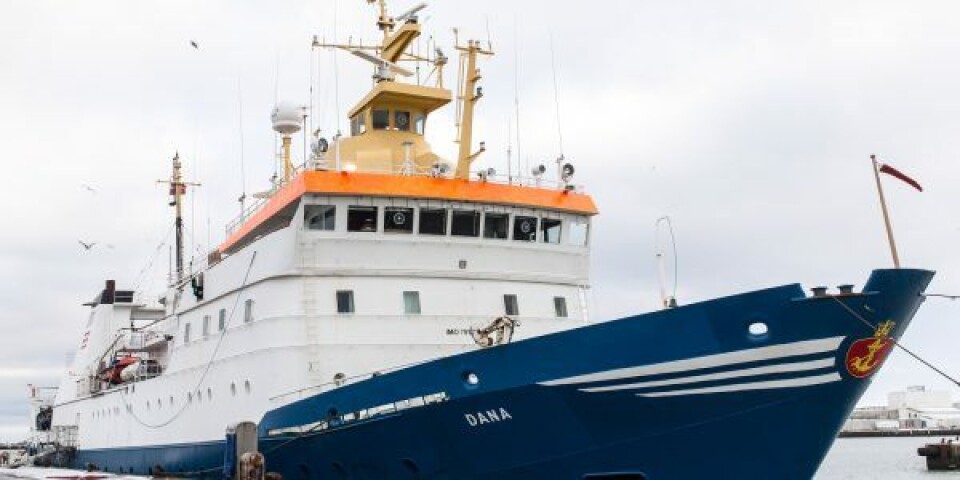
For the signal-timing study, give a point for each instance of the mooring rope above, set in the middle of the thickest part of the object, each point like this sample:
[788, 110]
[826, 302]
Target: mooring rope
[898, 344]
[941, 295]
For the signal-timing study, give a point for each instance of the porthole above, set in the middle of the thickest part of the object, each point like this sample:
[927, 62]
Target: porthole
[246, 386]
[758, 329]
[471, 378]
[189, 397]
[233, 389]
[209, 394]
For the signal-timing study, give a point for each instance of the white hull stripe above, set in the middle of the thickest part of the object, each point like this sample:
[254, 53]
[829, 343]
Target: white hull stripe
[743, 387]
[747, 372]
[806, 347]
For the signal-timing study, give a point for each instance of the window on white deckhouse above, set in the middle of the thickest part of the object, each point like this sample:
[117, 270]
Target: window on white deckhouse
[362, 219]
[550, 230]
[319, 217]
[495, 225]
[345, 301]
[579, 228]
[560, 306]
[510, 306]
[411, 303]
[433, 221]
[248, 310]
[398, 220]
[466, 223]
[525, 228]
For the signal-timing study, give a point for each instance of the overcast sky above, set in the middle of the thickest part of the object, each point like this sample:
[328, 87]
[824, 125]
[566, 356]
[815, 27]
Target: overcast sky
[749, 123]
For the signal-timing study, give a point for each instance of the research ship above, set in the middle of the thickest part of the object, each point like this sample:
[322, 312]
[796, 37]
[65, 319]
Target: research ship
[385, 313]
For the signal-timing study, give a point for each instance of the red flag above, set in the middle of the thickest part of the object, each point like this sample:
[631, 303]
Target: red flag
[897, 173]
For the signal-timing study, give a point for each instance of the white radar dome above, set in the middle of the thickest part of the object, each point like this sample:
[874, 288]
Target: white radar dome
[287, 118]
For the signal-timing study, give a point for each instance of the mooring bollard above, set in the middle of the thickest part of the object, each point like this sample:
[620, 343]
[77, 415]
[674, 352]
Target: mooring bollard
[251, 466]
[241, 460]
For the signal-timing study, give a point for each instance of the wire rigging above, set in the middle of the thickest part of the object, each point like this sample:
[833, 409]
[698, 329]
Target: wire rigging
[898, 344]
[213, 356]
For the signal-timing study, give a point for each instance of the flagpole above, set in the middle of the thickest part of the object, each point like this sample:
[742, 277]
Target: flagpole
[886, 215]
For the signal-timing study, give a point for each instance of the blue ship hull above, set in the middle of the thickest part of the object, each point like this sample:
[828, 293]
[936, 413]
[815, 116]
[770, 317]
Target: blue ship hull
[676, 394]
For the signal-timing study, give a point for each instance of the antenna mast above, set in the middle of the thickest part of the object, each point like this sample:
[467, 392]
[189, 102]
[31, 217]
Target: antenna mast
[178, 188]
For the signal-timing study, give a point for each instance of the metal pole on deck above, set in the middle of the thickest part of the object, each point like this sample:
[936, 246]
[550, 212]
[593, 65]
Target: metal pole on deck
[886, 214]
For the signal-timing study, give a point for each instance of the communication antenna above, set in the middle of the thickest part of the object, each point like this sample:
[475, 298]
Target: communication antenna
[556, 97]
[671, 300]
[243, 171]
[509, 151]
[516, 89]
[336, 85]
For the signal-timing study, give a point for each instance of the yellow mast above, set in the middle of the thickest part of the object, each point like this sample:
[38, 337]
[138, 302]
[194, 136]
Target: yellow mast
[468, 96]
[287, 163]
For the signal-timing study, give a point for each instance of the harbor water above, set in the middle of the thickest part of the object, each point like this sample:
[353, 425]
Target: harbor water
[849, 459]
[886, 458]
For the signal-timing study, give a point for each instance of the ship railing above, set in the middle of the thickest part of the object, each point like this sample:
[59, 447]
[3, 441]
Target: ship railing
[335, 421]
[64, 435]
[483, 175]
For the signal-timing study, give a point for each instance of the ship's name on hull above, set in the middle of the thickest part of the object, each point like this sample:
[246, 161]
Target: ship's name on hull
[494, 415]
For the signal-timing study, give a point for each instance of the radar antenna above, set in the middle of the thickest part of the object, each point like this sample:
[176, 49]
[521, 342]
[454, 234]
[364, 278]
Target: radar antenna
[385, 68]
[410, 15]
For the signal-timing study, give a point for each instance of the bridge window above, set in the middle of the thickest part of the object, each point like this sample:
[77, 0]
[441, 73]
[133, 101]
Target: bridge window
[401, 120]
[550, 230]
[495, 225]
[411, 303]
[358, 124]
[345, 301]
[525, 228]
[398, 220]
[577, 234]
[510, 306]
[362, 219]
[419, 124]
[433, 221]
[466, 223]
[560, 306]
[381, 119]
[319, 217]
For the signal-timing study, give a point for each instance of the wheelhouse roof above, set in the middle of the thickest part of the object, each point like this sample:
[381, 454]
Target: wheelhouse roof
[381, 185]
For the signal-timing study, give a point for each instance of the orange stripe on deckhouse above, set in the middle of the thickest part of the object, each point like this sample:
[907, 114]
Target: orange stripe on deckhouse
[380, 185]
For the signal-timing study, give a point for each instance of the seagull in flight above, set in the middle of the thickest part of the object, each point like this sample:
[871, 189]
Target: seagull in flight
[193, 43]
[86, 246]
[88, 188]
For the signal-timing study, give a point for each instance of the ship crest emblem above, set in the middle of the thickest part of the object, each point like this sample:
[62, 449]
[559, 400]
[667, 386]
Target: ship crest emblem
[867, 354]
